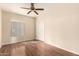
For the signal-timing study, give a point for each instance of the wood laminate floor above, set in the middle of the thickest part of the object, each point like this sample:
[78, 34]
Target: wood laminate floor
[32, 48]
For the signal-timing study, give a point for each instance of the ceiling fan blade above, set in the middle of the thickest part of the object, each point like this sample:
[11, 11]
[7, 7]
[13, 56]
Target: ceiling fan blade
[28, 12]
[39, 9]
[36, 12]
[25, 8]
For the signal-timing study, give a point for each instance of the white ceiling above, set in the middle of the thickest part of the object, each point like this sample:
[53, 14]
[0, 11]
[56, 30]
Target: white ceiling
[15, 7]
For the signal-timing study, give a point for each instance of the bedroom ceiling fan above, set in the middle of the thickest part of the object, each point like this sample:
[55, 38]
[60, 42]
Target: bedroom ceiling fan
[32, 8]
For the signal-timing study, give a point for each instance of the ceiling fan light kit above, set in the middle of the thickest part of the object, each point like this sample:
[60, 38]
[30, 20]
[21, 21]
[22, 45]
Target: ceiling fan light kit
[32, 8]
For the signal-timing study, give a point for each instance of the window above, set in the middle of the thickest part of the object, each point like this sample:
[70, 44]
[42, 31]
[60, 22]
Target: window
[17, 29]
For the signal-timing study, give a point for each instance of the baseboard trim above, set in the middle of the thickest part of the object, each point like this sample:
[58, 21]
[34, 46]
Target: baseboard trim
[74, 54]
[18, 42]
[77, 54]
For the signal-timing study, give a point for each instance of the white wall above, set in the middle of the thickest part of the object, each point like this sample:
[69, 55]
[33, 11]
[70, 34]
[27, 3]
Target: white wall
[29, 22]
[61, 26]
[0, 27]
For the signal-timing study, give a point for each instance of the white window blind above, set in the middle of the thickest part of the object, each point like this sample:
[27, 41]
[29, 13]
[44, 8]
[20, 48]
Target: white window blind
[17, 29]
